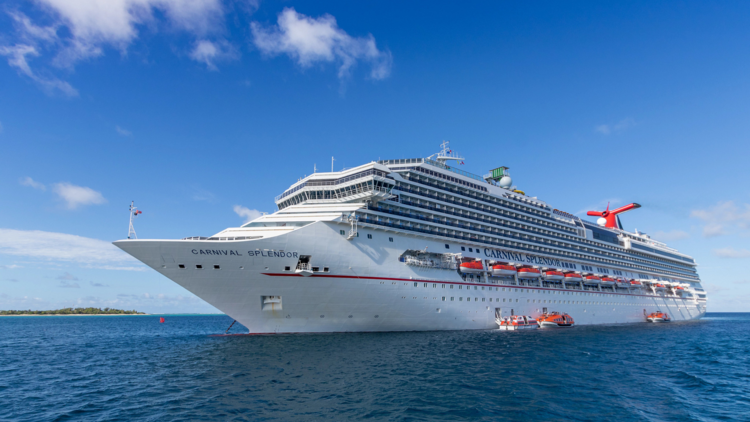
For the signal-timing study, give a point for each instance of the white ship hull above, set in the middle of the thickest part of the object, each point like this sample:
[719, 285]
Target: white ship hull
[366, 287]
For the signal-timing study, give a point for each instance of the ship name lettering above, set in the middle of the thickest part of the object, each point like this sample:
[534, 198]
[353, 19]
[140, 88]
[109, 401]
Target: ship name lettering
[273, 254]
[215, 252]
[517, 257]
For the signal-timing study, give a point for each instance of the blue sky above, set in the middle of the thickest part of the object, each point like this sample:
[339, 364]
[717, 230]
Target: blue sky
[198, 109]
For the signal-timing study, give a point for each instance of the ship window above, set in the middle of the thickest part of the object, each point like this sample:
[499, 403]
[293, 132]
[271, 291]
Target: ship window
[460, 299]
[471, 250]
[342, 232]
[199, 266]
[460, 287]
[181, 265]
[452, 299]
[325, 269]
[216, 267]
[415, 284]
[316, 269]
[447, 246]
[482, 299]
[369, 236]
[451, 286]
[463, 248]
[390, 239]
[287, 268]
[425, 284]
[443, 298]
[443, 285]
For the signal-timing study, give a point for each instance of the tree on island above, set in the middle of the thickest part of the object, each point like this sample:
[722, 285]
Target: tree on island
[75, 311]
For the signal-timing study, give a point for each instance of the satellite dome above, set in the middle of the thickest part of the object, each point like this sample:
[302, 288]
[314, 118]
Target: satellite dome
[602, 221]
[505, 182]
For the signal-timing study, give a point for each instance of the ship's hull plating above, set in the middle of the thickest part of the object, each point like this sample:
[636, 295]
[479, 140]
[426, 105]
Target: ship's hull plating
[366, 288]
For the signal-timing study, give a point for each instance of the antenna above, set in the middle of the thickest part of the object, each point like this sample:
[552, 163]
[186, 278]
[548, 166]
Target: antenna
[133, 213]
[446, 154]
[332, 164]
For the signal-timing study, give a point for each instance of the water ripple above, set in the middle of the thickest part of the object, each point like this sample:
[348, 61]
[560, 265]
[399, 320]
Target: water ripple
[133, 368]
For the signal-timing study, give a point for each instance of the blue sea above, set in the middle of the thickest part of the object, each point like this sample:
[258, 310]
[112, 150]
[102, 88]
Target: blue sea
[135, 368]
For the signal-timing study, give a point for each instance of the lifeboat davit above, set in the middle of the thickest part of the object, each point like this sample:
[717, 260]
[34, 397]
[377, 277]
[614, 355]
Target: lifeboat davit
[572, 278]
[471, 267]
[556, 319]
[553, 275]
[504, 270]
[592, 279]
[517, 322]
[658, 317]
[622, 283]
[608, 281]
[529, 273]
[660, 288]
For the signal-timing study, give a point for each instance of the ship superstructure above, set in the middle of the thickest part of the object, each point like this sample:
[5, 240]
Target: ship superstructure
[418, 244]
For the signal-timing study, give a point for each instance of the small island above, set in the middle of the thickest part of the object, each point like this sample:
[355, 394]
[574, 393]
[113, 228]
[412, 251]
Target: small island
[72, 311]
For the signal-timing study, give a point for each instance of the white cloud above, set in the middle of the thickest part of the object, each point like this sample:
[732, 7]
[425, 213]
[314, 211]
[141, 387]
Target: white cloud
[82, 29]
[210, 52]
[319, 40]
[671, 235]
[75, 196]
[94, 24]
[123, 132]
[98, 284]
[732, 253]
[31, 33]
[723, 218]
[17, 58]
[10, 267]
[618, 127]
[28, 181]
[247, 213]
[68, 277]
[53, 246]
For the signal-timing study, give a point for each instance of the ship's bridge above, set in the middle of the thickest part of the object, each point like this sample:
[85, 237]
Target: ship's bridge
[369, 182]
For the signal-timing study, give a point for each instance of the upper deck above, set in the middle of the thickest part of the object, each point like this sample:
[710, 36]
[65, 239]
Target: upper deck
[430, 197]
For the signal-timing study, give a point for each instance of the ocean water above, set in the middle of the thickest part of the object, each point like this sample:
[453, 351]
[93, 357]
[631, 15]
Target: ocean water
[134, 368]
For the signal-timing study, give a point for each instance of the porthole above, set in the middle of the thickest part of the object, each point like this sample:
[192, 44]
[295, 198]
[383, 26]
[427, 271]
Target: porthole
[216, 267]
[181, 265]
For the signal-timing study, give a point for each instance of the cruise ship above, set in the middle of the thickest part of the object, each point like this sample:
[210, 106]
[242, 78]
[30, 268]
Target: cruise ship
[418, 244]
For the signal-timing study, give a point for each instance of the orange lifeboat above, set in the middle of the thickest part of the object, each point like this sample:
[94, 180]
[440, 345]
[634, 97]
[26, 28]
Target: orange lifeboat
[553, 275]
[635, 283]
[528, 273]
[608, 281]
[592, 279]
[471, 267]
[517, 322]
[622, 283]
[658, 317]
[572, 278]
[503, 270]
[555, 320]
[679, 290]
[660, 287]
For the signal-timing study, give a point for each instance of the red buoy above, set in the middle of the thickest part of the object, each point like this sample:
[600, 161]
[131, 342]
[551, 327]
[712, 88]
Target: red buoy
[161, 319]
